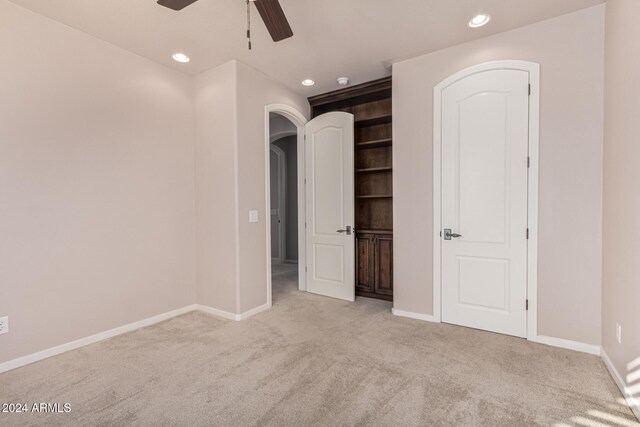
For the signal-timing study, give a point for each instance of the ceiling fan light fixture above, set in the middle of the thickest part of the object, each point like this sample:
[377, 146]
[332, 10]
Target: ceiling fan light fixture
[479, 20]
[308, 82]
[180, 57]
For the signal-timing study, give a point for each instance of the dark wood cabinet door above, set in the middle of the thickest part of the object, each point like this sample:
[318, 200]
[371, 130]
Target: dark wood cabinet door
[365, 275]
[374, 265]
[383, 265]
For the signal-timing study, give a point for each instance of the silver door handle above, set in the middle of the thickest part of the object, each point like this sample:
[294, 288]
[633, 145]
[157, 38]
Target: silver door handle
[448, 234]
[347, 230]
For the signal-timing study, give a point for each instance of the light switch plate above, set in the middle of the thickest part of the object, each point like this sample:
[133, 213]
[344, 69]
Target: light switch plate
[253, 216]
[4, 324]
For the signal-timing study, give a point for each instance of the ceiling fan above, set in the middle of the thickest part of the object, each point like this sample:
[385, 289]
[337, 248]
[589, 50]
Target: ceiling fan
[270, 11]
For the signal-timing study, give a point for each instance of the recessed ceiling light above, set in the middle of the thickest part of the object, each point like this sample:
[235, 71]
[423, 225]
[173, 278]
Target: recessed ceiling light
[181, 57]
[479, 20]
[308, 82]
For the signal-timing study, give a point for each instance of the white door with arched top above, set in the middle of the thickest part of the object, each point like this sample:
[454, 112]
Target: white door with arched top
[484, 178]
[330, 245]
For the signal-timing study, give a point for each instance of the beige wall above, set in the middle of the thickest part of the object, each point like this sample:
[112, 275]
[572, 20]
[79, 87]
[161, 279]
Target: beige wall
[216, 171]
[570, 51]
[621, 251]
[96, 185]
[102, 154]
[99, 212]
[255, 91]
[230, 181]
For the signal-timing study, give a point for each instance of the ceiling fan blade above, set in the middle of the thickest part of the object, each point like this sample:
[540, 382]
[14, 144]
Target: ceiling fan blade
[176, 4]
[274, 18]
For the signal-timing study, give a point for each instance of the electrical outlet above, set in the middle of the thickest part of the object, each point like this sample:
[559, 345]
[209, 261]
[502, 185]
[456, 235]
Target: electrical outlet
[4, 324]
[619, 333]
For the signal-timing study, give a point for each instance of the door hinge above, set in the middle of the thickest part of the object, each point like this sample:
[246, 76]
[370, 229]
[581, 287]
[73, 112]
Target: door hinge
[526, 304]
[305, 225]
[529, 89]
[528, 162]
[305, 269]
[527, 234]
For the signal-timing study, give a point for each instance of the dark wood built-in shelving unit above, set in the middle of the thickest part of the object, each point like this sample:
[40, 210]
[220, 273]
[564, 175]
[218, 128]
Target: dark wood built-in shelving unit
[373, 196]
[371, 170]
[373, 144]
[370, 103]
[372, 121]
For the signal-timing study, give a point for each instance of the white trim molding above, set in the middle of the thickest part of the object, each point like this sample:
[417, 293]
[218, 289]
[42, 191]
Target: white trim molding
[92, 339]
[568, 344]
[634, 402]
[279, 135]
[232, 316]
[540, 339]
[217, 312]
[417, 316]
[299, 120]
[252, 312]
[532, 199]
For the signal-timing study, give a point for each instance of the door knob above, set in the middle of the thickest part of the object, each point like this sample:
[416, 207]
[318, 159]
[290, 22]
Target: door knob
[347, 230]
[448, 234]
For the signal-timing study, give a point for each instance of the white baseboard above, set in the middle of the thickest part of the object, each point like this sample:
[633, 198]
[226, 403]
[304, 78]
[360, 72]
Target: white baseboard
[554, 342]
[568, 344]
[216, 312]
[63, 348]
[634, 403]
[232, 316]
[411, 315]
[253, 312]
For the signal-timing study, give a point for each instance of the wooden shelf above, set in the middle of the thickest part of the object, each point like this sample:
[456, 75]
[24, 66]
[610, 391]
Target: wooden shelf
[374, 170]
[371, 105]
[373, 144]
[372, 121]
[379, 196]
[373, 231]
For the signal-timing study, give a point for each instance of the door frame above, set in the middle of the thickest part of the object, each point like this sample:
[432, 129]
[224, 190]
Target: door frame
[299, 120]
[282, 206]
[532, 192]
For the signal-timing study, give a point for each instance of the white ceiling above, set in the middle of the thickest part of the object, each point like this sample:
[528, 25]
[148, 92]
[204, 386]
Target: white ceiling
[332, 38]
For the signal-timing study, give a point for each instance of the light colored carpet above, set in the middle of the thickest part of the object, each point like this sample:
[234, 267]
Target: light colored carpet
[317, 361]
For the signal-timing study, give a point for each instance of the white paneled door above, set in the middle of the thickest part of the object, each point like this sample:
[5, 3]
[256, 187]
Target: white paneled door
[330, 206]
[484, 201]
[278, 206]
